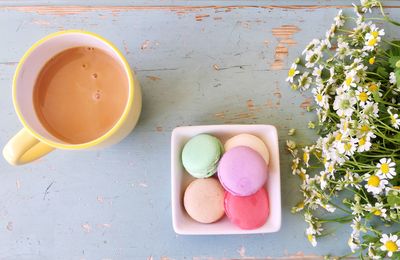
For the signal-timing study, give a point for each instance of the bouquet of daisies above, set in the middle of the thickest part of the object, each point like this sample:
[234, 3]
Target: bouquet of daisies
[351, 174]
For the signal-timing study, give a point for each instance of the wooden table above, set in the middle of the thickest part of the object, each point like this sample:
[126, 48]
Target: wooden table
[199, 62]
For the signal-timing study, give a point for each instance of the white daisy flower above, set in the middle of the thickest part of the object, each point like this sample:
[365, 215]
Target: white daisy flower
[339, 19]
[375, 183]
[370, 109]
[348, 147]
[344, 104]
[356, 225]
[372, 252]
[353, 179]
[351, 79]
[313, 44]
[390, 243]
[354, 243]
[305, 81]
[320, 98]
[329, 34]
[377, 210]
[394, 118]
[386, 168]
[312, 57]
[362, 95]
[306, 155]
[364, 144]
[372, 38]
[343, 49]
[375, 31]
[292, 72]
[392, 78]
[366, 5]
[374, 88]
[310, 232]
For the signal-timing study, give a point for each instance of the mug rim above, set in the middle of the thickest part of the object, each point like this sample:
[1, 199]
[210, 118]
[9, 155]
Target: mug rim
[111, 131]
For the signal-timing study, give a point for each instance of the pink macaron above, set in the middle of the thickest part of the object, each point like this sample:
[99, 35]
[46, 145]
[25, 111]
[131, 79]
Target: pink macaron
[242, 171]
[248, 212]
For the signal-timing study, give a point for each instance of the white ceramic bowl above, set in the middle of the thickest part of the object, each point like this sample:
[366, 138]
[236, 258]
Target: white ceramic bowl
[183, 224]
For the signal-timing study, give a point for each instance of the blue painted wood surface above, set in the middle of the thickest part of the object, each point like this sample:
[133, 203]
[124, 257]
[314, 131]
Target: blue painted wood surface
[199, 65]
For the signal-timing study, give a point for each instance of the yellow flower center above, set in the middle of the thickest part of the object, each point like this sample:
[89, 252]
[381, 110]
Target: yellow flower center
[385, 168]
[371, 60]
[338, 137]
[306, 157]
[377, 212]
[348, 81]
[374, 181]
[364, 128]
[372, 42]
[363, 96]
[393, 119]
[302, 176]
[391, 246]
[300, 205]
[347, 146]
[330, 168]
[373, 88]
[310, 237]
[375, 34]
[292, 71]
[345, 125]
[362, 141]
[319, 97]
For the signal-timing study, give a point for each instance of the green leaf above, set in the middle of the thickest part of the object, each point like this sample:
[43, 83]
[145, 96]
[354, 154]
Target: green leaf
[394, 51]
[397, 74]
[382, 71]
[393, 60]
[393, 198]
[370, 239]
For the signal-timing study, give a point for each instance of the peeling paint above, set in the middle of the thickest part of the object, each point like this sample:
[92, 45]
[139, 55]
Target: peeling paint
[145, 45]
[220, 115]
[242, 251]
[200, 17]
[104, 225]
[10, 226]
[144, 185]
[284, 35]
[116, 10]
[250, 105]
[100, 199]
[126, 47]
[153, 78]
[306, 103]
[86, 228]
[40, 22]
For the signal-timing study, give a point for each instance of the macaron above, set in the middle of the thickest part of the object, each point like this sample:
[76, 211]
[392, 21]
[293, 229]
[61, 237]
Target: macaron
[242, 171]
[248, 212]
[204, 200]
[251, 141]
[201, 154]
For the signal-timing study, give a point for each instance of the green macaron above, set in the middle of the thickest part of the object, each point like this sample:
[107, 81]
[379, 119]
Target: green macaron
[201, 154]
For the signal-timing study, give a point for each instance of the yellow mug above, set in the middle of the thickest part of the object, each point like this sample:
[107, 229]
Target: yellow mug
[34, 141]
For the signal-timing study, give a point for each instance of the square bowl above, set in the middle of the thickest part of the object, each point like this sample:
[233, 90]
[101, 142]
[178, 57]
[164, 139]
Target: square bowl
[182, 223]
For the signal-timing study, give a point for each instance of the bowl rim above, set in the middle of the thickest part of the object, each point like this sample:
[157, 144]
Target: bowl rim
[216, 128]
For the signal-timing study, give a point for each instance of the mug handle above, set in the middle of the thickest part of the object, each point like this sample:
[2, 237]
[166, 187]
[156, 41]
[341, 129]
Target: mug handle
[24, 148]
